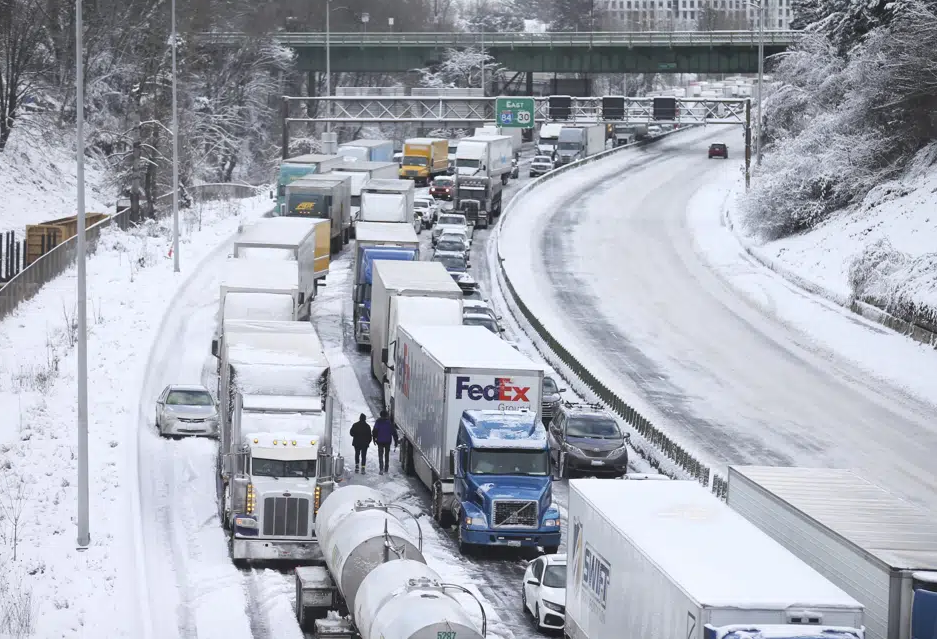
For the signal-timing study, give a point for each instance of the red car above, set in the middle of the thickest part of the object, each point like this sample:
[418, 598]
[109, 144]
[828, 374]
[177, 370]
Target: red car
[718, 151]
[443, 188]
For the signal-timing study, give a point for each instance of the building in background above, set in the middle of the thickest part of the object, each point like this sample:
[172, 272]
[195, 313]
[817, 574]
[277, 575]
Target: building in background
[690, 15]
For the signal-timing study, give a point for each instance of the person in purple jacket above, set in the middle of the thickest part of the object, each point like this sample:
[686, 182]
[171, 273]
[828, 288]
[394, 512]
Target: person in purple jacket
[384, 433]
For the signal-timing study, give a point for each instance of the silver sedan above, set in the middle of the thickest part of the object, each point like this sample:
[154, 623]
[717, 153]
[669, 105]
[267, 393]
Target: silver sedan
[186, 411]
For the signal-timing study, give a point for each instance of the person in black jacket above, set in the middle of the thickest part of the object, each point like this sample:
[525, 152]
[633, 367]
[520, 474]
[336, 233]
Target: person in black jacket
[360, 439]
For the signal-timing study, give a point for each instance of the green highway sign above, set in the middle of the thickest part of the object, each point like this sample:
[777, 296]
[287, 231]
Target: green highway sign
[515, 113]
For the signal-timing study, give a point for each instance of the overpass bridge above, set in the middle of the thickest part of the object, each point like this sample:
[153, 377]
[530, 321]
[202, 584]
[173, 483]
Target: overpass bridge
[560, 52]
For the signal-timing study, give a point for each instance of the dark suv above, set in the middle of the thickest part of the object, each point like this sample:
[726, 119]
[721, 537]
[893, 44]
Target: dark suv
[718, 151]
[586, 439]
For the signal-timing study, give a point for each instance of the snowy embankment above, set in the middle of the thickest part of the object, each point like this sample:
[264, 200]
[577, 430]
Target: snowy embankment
[38, 182]
[803, 280]
[130, 285]
[882, 251]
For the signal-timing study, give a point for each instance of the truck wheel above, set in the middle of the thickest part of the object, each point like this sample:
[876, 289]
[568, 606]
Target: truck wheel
[406, 460]
[464, 548]
[442, 516]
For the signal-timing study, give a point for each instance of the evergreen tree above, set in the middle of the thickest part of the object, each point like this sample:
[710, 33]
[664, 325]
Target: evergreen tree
[575, 15]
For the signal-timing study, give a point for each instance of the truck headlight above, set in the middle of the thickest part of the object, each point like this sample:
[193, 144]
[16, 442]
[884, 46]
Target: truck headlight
[551, 523]
[245, 522]
[476, 522]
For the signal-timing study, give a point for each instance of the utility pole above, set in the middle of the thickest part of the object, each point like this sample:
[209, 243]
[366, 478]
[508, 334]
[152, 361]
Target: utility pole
[483, 58]
[761, 78]
[328, 65]
[84, 532]
[175, 152]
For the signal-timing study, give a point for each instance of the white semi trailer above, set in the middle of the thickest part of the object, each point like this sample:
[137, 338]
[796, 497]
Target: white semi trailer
[880, 549]
[301, 240]
[425, 311]
[376, 577]
[254, 289]
[275, 465]
[669, 559]
[402, 278]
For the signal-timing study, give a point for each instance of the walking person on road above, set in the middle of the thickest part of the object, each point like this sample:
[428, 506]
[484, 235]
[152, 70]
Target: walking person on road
[384, 433]
[361, 439]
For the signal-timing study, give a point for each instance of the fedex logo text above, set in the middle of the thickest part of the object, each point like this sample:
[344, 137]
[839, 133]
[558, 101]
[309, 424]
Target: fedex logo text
[502, 390]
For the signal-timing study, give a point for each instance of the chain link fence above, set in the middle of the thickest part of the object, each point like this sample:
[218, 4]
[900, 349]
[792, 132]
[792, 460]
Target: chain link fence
[690, 466]
[56, 261]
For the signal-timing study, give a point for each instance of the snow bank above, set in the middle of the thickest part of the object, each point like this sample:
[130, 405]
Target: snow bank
[37, 179]
[819, 260]
[130, 284]
[881, 251]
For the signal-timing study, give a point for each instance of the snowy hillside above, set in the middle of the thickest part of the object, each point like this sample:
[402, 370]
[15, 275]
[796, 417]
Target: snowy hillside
[882, 251]
[37, 180]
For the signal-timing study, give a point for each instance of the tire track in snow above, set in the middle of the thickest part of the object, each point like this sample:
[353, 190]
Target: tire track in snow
[157, 464]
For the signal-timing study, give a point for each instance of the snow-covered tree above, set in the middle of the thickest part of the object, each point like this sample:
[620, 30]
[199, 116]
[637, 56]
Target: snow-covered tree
[575, 15]
[461, 68]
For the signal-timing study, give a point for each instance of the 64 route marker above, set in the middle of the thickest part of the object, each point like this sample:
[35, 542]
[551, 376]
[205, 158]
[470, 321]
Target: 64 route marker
[515, 113]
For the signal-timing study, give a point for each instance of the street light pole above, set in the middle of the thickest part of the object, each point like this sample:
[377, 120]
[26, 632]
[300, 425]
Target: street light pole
[175, 152]
[84, 533]
[328, 64]
[483, 58]
[761, 77]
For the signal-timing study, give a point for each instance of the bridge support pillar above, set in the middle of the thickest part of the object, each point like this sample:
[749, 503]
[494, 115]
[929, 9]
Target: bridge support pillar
[530, 83]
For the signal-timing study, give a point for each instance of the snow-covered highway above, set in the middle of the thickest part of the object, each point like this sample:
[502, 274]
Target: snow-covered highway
[609, 257]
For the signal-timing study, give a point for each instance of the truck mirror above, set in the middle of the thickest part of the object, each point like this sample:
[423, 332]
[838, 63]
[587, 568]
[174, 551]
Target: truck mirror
[452, 462]
[384, 356]
[338, 468]
[214, 347]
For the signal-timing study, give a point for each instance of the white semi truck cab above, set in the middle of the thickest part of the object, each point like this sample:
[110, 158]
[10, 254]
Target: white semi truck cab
[279, 476]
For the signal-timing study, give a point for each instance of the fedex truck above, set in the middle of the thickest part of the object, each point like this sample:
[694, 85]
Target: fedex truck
[440, 373]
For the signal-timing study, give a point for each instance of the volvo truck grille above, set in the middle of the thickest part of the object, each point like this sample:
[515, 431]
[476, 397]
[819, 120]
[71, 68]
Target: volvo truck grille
[286, 517]
[508, 512]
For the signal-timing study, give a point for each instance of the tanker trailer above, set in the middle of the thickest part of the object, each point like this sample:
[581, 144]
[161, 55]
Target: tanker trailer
[357, 534]
[407, 600]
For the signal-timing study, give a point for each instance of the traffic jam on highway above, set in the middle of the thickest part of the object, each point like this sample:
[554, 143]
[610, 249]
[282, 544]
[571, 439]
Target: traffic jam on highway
[487, 432]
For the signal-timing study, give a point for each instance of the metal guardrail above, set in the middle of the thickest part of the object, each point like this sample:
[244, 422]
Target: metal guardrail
[457, 40]
[675, 452]
[50, 265]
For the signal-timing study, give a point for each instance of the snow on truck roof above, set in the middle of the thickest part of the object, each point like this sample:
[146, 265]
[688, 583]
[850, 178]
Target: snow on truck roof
[278, 232]
[281, 403]
[418, 275]
[279, 275]
[387, 185]
[272, 342]
[385, 232]
[468, 347]
[897, 533]
[714, 553]
[505, 429]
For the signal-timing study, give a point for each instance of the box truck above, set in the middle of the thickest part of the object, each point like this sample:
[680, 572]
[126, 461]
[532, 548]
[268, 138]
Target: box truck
[367, 151]
[461, 389]
[387, 201]
[299, 166]
[488, 156]
[579, 142]
[424, 159]
[670, 559]
[878, 548]
[404, 309]
[514, 133]
[376, 241]
[322, 197]
[362, 172]
[426, 279]
[301, 240]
